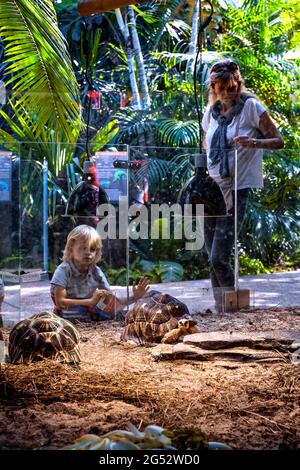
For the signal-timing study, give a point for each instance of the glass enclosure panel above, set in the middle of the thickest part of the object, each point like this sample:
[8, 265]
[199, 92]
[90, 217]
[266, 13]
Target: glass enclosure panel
[72, 203]
[144, 226]
[33, 238]
[33, 230]
[113, 173]
[10, 234]
[166, 242]
[265, 234]
[268, 238]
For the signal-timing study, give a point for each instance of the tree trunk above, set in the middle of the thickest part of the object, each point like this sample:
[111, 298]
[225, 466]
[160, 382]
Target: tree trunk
[193, 41]
[130, 59]
[139, 60]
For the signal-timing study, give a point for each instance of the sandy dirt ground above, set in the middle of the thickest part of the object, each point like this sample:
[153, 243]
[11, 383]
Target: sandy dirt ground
[249, 405]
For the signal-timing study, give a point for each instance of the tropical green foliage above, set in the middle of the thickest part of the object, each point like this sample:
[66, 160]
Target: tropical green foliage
[271, 229]
[258, 36]
[163, 271]
[44, 99]
[64, 63]
[251, 266]
[41, 78]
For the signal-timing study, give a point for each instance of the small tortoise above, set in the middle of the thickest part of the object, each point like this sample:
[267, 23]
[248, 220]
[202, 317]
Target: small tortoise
[44, 335]
[184, 327]
[156, 318]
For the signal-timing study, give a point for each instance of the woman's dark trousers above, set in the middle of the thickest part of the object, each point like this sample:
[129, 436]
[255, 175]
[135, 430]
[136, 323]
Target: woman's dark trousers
[219, 241]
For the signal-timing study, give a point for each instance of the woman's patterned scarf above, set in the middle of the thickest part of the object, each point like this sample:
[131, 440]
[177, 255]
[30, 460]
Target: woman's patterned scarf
[219, 144]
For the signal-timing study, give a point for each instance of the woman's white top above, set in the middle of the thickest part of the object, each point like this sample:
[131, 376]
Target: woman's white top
[249, 160]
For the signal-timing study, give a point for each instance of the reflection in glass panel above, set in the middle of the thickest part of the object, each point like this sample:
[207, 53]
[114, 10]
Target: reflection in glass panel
[88, 194]
[10, 232]
[32, 229]
[269, 238]
[141, 235]
[166, 243]
[267, 233]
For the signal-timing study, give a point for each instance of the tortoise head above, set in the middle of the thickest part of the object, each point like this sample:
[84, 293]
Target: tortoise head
[186, 324]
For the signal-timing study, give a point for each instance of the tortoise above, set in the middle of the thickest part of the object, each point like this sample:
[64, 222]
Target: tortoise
[155, 318]
[184, 327]
[44, 335]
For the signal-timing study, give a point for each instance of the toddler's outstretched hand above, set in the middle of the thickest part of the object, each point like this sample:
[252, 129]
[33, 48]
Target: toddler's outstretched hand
[140, 289]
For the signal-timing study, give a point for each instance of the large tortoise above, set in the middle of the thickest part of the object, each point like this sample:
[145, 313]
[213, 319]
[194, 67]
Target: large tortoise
[44, 335]
[157, 317]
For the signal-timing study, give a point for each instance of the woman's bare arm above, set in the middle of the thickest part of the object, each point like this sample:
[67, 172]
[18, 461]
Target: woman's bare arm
[272, 137]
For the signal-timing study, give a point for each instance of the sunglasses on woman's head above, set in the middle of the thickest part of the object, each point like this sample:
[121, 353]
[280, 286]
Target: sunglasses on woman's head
[230, 66]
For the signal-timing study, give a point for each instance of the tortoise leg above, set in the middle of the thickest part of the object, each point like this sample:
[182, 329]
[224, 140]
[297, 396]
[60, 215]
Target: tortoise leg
[172, 336]
[130, 343]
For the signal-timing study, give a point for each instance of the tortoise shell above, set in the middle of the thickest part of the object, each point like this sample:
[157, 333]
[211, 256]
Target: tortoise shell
[44, 335]
[152, 316]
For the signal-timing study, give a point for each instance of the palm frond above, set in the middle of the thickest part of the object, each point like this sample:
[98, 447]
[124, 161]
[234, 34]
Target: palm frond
[157, 172]
[181, 167]
[178, 133]
[105, 135]
[9, 142]
[47, 144]
[39, 66]
[131, 126]
[161, 17]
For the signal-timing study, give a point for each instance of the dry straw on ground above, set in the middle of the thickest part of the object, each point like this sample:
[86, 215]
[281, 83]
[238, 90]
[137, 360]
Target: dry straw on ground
[246, 405]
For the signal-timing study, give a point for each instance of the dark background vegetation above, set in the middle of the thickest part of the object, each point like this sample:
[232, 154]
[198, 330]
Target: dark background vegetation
[63, 56]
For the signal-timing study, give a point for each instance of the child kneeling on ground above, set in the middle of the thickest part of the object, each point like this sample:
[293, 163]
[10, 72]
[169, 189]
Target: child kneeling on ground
[79, 288]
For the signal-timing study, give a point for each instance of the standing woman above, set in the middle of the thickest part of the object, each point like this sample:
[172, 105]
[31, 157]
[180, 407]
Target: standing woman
[234, 117]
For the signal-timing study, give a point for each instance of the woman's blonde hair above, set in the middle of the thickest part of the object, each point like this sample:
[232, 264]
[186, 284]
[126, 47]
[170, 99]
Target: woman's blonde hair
[224, 72]
[83, 233]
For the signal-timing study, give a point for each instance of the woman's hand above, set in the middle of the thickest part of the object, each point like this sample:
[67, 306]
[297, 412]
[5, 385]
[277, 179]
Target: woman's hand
[140, 289]
[245, 141]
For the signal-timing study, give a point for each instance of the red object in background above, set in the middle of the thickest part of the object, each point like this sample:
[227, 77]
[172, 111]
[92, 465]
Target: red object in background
[95, 97]
[87, 195]
[123, 100]
[90, 7]
[90, 173]
[146, 192]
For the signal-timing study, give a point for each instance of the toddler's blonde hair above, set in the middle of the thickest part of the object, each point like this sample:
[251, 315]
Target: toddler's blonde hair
[83, 233]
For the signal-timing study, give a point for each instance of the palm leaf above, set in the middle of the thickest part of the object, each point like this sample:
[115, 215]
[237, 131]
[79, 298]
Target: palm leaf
[170, 271]
[9, 142]
[178, 133]
[181, 167]
[132, 125]
[158, 170]
[105, 135]
[39, 66]
[21, 125]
